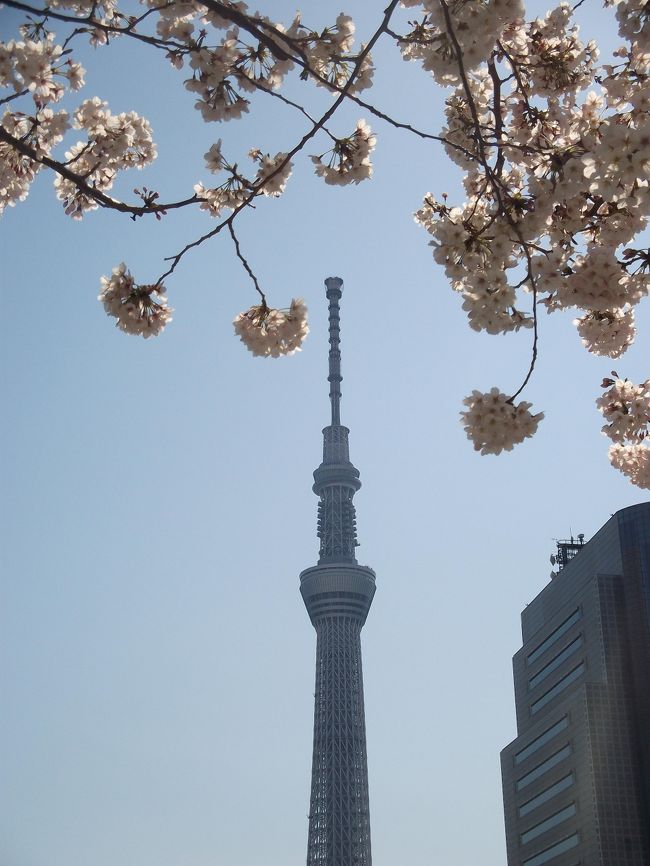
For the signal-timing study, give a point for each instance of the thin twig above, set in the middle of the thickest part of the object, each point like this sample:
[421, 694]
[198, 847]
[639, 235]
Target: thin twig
[292, 104]
[515, 71]
[13, 96]
[533, 360]
[247, 267]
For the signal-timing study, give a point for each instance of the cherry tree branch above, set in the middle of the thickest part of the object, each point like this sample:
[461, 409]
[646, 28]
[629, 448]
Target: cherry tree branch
[298, 147]
[533, 359]
[253, 26]
[292, 104]
[96, 24]
[82, 184]
[497, 188]
[13, 96]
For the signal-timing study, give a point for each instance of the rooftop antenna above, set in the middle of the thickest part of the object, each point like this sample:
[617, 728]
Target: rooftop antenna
[567, 549]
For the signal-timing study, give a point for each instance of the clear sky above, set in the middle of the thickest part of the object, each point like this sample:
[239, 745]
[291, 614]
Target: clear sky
[157, 664]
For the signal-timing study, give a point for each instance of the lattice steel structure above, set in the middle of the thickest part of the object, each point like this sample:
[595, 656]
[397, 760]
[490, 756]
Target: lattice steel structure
[337, 594]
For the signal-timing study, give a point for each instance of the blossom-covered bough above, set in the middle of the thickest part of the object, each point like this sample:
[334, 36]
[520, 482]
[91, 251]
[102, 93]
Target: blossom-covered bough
[555, 151]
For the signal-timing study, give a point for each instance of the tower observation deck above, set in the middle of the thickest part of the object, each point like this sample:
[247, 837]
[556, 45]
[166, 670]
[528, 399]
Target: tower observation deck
[338, 593]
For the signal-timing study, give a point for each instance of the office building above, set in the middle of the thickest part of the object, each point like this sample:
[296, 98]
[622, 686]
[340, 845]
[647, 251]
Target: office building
[576, 780]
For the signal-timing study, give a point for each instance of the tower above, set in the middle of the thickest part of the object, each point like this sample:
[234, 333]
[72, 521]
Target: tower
[337, 594]
[576, 780]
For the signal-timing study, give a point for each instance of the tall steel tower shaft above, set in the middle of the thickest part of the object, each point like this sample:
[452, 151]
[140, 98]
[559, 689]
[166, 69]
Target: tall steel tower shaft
[337, 594]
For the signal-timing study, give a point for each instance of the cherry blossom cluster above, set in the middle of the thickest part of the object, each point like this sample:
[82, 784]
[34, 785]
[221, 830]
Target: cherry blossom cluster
[476, 27]
[271, 180]
[39, 132]
[626, 409]
[38, 66]
[115, 141]
[476, 252]
[269, 333]
[102, 11]
[329, 55]
[494, 424]
[139, 309]
[230, 193]
[557, 179]
[223, 71]
[218, 98]
[609, 333]
[349, 159]
[273, 172]
[633, 22]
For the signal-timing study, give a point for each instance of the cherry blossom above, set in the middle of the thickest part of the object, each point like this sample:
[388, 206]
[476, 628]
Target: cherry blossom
[273, 172]
[349, 158]
[139, 309]
[609, 333]
[214, 160]
[633, 461]
[114, 142]
[626, 408]
[41, 132]
[476, 27]
[494, 424]
[38, 66]
[269, 333]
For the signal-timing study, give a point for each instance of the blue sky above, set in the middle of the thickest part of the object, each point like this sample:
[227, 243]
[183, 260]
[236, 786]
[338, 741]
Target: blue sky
[157, 662]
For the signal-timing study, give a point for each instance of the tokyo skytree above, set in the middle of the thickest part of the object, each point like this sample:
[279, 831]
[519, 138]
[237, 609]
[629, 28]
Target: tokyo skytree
[337, 594]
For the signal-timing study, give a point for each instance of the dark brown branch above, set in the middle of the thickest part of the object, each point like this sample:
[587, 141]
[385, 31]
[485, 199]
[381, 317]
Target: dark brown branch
[91, 21]
[498, 116]
[83, 186]
[515, 71]
[253, 26]
[13, 96]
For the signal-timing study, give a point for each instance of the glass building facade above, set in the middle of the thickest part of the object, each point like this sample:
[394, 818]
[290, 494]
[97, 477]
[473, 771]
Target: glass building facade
[576, 780]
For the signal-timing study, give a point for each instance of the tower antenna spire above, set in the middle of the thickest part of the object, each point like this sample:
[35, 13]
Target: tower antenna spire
[334, 286]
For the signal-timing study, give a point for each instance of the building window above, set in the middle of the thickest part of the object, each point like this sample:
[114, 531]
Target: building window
[557, 688]
[544, 738]
[554, 851]
[554, 636]
[546, 795]
[556, 662]
[542, 768]
[553, 821]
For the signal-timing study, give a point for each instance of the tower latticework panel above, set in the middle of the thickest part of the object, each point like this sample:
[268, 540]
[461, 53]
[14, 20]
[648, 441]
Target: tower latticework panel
[339, 821]
[338, 593]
